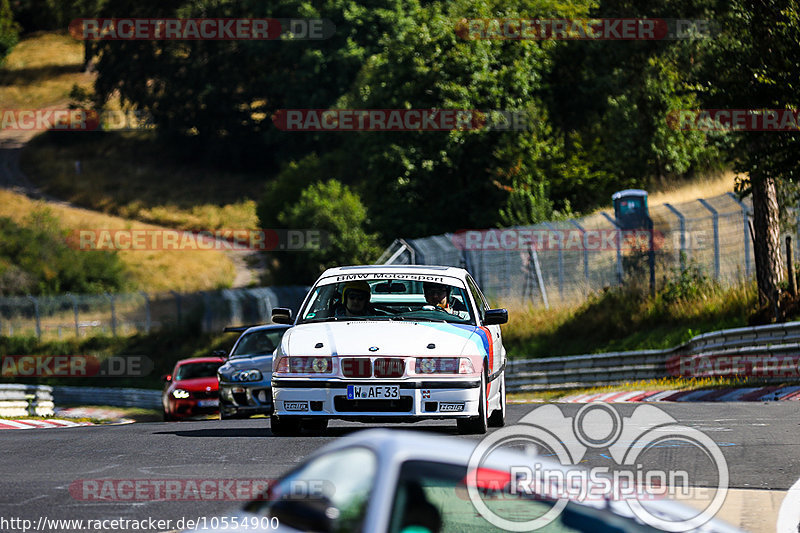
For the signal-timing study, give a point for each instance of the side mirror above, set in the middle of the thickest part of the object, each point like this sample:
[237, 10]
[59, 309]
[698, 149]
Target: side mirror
[315, 514]
[166, 377]
[282, 315]
[495, 317]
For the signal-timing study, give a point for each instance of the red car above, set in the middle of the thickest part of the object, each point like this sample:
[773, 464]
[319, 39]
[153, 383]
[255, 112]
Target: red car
[192, 389]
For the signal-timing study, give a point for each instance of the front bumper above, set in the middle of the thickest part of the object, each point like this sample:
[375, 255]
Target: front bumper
[418, 399]
[245, 398]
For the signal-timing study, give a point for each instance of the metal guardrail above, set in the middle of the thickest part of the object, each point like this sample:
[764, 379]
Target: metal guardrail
[146, 398]
[580, 371]
[26, 400]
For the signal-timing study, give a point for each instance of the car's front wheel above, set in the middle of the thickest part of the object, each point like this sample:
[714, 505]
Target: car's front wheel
[476, 425]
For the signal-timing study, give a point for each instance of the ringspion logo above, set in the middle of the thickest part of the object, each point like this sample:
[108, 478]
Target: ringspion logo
[626, 441]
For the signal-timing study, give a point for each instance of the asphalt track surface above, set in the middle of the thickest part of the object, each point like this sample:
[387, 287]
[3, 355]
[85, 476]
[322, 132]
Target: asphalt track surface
[761, 443]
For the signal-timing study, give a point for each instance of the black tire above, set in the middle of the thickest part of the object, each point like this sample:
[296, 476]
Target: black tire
[224, 416]
[168, 417]
[284, 426]
[476, 425]
[498, 417]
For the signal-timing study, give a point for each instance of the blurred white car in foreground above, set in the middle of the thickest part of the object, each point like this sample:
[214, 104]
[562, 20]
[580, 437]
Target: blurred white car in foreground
[382, 480]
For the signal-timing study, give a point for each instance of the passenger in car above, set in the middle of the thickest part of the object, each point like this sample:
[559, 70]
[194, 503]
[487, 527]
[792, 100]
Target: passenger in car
[439, 295]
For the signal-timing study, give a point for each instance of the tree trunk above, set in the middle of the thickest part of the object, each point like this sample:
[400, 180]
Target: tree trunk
[767, 246]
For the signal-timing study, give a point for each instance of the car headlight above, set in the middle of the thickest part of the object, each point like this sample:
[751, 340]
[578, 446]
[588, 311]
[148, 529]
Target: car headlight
[180, 394]
[247, 375]
[304, 365]
[444, 365]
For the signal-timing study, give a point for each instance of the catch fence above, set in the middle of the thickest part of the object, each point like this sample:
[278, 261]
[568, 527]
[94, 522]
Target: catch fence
[74, 315]
[563, 261]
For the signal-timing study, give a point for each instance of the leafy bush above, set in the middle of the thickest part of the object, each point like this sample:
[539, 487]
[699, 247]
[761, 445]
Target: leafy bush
[9, 30]
[35, 259]
[687, 284]
[336, 211]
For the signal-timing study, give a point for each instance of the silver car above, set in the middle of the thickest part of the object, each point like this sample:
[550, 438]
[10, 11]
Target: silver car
[244, 380]
[390, 481]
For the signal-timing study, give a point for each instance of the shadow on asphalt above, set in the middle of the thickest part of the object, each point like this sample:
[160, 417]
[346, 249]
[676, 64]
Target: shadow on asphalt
[336, 431]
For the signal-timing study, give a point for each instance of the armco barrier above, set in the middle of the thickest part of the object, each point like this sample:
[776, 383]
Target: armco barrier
[579, 371]
[26, 400]
[146, 398]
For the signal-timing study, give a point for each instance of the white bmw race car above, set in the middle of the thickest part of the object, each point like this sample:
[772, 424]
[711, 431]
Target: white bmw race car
[390, 343]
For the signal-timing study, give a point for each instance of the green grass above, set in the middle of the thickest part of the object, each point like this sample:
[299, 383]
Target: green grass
[627, 319]
[646, 385]
[164, 348]
[132, 175]
[41, 71]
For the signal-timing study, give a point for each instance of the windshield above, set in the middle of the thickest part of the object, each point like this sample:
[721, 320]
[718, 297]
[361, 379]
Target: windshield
[197, 370]
[259, 342]
[445, 300]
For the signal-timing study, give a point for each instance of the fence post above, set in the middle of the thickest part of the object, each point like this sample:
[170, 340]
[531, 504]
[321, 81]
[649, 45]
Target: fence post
[651, 255]
[682, 222]
[113, 314]
[746, 225]
[715, 218]
[75, 313]
[38, 318]
[560, 262]
[790, 265]
[585, 254]
[147, 318]
[619, 246]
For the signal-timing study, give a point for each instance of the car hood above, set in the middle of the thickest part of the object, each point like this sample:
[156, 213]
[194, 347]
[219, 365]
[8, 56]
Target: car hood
[261, 362]
[197, 384]
[386, 338]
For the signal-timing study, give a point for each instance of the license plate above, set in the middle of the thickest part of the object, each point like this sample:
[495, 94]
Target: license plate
[373, 392]
[208, 403]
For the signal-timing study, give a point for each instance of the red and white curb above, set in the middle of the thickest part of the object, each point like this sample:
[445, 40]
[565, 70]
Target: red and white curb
[35, 424]
[750, 394]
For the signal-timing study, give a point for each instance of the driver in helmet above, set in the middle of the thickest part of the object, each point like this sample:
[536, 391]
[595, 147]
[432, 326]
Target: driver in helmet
[355, 299]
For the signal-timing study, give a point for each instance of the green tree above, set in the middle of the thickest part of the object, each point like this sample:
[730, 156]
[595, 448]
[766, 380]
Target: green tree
[752, 64]
[216, 98]
[36, 259]
[9, 30]
[335, 210]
